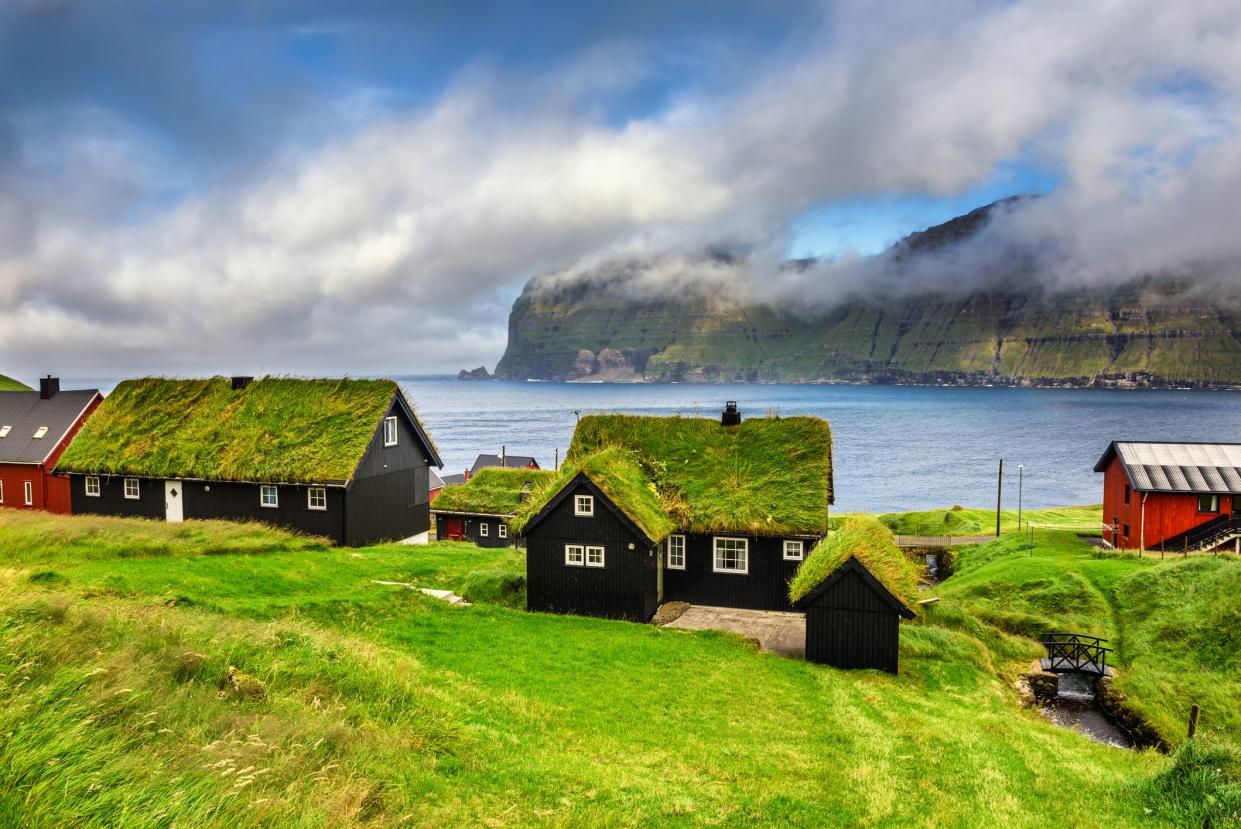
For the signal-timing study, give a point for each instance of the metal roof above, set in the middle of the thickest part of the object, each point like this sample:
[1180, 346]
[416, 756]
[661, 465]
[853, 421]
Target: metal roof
[509, 462]
[1179, 467]
[25, 413]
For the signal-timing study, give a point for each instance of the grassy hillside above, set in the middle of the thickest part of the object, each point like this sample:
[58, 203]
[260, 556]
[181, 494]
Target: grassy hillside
[9, 384]
[960, 520]
[379, 706]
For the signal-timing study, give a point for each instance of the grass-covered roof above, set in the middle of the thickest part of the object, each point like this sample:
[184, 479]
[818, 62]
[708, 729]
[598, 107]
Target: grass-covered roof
[275, 429]
[766, 475]
[873, 545]
[492, 491]
[620, 476]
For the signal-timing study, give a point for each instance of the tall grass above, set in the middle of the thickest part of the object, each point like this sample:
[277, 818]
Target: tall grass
[383, 707]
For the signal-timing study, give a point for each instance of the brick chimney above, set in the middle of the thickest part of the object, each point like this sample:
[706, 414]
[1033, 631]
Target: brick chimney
[48, 387]
[731, 415]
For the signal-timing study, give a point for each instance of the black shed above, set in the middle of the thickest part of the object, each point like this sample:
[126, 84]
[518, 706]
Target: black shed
[853, 620]
[855, 588]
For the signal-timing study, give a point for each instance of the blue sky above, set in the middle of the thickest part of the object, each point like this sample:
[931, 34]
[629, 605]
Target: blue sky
[184, 186]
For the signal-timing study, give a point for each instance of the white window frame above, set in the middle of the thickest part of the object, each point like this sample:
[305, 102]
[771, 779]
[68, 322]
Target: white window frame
[484, 529]
[391, 433]
[92, 483]
[668, 552]
[502, 531]
[584, 506]
[800, 549]
[574, 555]
[137, 490]
[310, 498]
[602, 553]
[28, 491]
[40, 433]
[1, 492]
[275, 493]
[715, 555]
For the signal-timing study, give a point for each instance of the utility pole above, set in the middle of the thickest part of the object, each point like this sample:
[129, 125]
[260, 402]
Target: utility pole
[999, 496]
[1020, 470]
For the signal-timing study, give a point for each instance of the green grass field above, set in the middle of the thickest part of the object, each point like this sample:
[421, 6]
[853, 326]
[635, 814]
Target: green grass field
[383, 707]
[959, 521]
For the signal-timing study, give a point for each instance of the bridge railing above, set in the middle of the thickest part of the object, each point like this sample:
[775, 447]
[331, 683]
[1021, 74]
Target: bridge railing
[1075, 652]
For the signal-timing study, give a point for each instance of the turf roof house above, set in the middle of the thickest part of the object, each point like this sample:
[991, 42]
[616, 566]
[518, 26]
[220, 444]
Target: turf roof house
[480, 509]
[855, 587]
[343, 459]
[655, 509]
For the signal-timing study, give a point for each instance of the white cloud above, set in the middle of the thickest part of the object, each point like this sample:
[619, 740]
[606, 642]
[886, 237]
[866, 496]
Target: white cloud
[397, 247]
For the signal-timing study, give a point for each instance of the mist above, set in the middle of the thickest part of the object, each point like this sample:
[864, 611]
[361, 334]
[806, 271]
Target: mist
[395, 240]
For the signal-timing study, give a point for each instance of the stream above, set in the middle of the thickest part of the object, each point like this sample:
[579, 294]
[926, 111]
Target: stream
[1075, 707]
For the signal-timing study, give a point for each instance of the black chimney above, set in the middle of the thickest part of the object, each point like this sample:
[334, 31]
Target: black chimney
[241, 382]
[48, 386]
[731, 416]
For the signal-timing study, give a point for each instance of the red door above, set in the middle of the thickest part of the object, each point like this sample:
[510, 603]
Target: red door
[453, 529]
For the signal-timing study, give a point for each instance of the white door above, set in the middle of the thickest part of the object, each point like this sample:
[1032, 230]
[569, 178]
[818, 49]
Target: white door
[173, 501]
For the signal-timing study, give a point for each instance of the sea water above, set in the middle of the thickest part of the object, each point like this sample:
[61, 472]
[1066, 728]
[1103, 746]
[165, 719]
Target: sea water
[896, 447]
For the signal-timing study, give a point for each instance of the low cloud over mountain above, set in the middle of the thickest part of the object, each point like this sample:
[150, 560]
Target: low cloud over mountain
[339, 219]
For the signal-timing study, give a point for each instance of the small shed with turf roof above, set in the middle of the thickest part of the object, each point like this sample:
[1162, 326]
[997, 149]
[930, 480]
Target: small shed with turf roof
[654, 509]
[479, 509]
[339, 458]
[855, 588]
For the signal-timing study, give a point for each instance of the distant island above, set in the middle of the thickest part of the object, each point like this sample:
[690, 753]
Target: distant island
[1149, 333]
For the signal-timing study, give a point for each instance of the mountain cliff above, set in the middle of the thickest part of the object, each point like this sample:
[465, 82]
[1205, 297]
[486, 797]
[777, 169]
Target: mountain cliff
[1147, 333]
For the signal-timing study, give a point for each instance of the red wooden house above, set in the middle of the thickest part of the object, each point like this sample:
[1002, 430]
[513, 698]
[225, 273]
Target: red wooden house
[35, 428]
[1182, 497]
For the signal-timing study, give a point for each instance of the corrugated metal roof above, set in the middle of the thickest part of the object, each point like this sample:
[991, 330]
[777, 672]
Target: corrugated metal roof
[1182, 467]
[24, 412]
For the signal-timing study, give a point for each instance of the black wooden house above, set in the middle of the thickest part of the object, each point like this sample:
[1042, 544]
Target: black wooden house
[657, 509]
[344, 459]
[479, 509]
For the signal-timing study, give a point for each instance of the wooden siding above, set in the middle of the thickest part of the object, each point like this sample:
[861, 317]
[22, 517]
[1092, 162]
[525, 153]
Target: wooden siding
[1167, 513]
[387, 507]
[14, 477]
[240, 502]
[470, 530]
[851, 626]
[112, 500]
[389, 498]
[626, 587]
[765, 587]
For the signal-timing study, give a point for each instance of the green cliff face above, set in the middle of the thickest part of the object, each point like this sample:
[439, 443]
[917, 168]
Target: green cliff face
[1147, 333]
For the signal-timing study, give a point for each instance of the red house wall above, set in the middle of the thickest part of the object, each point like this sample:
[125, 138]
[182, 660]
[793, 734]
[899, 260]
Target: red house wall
[50, 492]
[1166, 513]
[14, 476]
